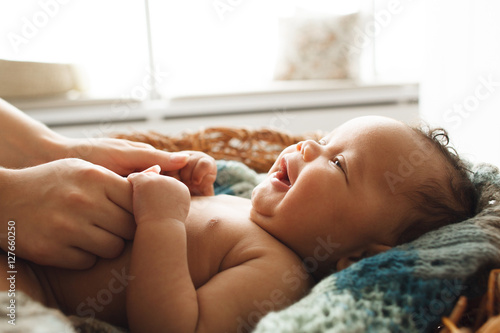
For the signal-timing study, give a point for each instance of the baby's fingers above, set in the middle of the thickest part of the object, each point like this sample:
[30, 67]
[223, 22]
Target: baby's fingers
[207, 185]
[203, 177]
[138, 177]
[203, 168]
[197, 167]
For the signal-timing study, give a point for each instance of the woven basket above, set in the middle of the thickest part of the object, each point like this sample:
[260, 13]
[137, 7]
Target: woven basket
[257, 148]
[483, 317]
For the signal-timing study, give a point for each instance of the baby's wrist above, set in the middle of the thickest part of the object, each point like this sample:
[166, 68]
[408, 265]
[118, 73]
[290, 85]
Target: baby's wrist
[159, 220]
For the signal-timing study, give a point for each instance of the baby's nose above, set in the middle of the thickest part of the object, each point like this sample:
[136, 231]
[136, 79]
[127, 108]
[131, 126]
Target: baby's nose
[309, 149]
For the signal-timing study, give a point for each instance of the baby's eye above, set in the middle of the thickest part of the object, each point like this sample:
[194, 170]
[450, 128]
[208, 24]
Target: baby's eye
[336, 162]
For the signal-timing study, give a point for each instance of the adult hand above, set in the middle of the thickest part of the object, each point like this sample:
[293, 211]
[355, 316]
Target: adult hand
[121, 156]
[66, 212]
[25, 142]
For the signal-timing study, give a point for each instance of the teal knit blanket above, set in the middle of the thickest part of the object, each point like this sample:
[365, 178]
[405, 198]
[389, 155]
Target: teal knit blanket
[407, 289]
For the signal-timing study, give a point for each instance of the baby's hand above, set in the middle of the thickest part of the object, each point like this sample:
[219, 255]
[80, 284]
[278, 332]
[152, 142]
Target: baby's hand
[198, 174]
[156, 197]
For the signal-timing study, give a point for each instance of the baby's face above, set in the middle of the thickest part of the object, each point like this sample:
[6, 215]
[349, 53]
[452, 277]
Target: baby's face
[335, 190]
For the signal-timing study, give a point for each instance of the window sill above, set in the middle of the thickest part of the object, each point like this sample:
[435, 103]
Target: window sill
[277, 96]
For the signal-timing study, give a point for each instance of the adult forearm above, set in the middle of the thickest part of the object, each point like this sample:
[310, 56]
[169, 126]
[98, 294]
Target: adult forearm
[161, 297]
[24, 141]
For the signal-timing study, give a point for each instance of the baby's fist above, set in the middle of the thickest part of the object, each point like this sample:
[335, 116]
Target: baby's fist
[198, 174]
[156, 197]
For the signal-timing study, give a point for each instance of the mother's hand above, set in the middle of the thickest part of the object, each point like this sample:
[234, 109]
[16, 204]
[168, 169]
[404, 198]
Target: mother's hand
[66, 212]
[121, 156]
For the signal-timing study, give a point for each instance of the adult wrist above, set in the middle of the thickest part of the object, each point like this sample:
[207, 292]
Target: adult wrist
[53, 147]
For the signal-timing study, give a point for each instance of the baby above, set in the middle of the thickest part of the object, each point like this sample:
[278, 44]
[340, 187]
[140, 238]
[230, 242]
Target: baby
[219, 263]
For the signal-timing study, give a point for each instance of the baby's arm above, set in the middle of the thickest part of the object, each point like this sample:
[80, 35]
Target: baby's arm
[162, 297]
[198, 174]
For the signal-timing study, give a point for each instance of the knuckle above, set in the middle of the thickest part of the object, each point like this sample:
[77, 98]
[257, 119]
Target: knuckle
[75, 196]
[205, 163]
[92, 172]
[148, 147]
[209, 179]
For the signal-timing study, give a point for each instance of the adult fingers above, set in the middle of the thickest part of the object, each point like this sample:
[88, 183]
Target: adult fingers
[68, 257]
[115, 220]
[100, 242]
[144, 158]
[115, 212]
[140, 144]
[119, 191]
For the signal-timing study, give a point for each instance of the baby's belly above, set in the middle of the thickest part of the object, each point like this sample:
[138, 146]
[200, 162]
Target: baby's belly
[98, 292]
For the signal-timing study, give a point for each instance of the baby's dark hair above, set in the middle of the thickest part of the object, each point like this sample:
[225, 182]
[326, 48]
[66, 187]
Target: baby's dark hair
[439, 201]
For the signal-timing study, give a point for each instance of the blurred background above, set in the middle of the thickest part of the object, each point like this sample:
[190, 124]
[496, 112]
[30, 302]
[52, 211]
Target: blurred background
[92, 68]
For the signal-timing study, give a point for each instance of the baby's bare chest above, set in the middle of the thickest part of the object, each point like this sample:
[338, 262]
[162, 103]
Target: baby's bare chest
[216, 230]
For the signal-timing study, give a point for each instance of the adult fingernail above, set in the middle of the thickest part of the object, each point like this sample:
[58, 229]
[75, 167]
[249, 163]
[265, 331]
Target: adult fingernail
[178, 157]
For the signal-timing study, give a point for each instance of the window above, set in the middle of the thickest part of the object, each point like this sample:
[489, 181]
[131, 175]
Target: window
[107, 38]
[197, 46]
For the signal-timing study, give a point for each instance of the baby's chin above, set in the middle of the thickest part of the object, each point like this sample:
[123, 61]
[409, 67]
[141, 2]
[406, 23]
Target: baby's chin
[260, 187]
[257, 194]
[261, 200]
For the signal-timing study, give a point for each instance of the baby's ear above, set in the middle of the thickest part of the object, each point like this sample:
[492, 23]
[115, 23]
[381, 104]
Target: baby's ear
[369, 251]
[345, 262]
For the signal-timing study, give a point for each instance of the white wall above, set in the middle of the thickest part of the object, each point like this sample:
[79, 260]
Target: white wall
[460, 89]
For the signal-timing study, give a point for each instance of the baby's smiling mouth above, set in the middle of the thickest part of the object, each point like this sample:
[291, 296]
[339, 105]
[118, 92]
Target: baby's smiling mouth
[282, 174]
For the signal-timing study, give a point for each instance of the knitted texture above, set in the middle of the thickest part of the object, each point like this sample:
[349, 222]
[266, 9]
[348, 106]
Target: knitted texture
[409, 288]
[235, 178]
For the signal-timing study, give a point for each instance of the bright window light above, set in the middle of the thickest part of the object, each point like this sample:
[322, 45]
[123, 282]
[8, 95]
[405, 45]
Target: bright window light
[198, 46]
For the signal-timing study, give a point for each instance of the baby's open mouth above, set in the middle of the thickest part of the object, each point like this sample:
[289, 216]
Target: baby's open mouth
[282, 174]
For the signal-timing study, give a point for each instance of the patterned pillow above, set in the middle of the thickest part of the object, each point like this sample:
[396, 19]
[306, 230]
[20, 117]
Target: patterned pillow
[317, 47]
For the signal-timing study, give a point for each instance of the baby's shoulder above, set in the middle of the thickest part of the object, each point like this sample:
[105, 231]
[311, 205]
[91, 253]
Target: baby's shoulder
[274, 263]
[276, 275]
